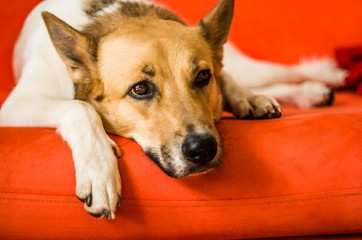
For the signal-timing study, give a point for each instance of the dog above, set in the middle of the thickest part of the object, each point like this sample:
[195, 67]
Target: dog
[134, 69]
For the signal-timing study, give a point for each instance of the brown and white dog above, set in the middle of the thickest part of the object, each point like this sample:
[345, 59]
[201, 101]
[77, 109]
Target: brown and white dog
[133, 69]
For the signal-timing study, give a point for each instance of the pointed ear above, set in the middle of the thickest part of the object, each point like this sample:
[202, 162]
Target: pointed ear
[216, 25]
[77, 51]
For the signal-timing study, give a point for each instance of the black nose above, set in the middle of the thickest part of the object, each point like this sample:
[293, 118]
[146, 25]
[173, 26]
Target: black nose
[199, 148]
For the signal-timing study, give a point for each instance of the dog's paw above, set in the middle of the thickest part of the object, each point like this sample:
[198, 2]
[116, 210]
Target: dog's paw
[314, 94]
[99, 181]
[257, 107]
[115, 148]
[323, 70]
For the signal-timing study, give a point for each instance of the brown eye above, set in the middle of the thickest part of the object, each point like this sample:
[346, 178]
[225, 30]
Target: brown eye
[203, 78]
[142, 90]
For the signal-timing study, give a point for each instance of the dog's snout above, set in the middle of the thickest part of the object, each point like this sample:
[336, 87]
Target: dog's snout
[199, 148]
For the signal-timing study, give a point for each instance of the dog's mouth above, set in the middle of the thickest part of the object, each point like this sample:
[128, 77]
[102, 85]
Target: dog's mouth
[198, 153]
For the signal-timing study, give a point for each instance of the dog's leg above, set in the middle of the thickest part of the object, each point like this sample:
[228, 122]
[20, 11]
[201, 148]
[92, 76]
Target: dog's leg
[304, 95]
[245, 104]
[98, 179]
[323, 70]
[312, 79]
[253, 73]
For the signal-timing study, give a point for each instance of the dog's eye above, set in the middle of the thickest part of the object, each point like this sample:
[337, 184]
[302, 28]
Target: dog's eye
[142, 90]
[203, 78]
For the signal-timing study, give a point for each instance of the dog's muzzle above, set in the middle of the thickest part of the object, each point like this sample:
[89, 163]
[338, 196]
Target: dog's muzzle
[197, 153]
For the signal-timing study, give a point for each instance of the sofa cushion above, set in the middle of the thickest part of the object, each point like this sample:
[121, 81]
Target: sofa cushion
[297, 175]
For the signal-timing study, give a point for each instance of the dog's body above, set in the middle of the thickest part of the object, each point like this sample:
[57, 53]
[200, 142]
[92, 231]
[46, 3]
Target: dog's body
[135, 70]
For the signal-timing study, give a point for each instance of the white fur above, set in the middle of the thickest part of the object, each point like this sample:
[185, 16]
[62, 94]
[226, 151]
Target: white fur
[110, 9]
[115, 6]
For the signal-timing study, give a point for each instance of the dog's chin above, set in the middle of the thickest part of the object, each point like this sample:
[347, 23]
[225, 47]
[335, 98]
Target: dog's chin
[189, 169]
[178, 167]
[194, 172]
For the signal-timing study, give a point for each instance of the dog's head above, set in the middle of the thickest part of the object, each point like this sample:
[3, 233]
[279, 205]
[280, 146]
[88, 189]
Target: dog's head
[153, 80]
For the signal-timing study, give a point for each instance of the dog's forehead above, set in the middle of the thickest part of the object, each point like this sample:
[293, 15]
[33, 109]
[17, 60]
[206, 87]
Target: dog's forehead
[151, 49]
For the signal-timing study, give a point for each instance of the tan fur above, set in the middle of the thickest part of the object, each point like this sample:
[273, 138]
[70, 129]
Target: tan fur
[153, 44]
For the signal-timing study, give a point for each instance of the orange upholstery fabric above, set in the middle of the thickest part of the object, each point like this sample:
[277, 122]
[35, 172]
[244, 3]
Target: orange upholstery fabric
[294, 176]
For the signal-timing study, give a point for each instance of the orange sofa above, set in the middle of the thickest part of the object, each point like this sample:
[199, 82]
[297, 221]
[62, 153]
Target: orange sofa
[300, 175]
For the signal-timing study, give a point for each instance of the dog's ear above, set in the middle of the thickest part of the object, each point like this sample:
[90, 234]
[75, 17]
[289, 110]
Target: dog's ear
[216, 25]
[77, 51]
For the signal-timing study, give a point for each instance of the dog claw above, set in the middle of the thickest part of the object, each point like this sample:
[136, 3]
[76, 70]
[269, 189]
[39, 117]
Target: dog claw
[249, 116]
[278, 114]
[270, 110]
[89, 200]
[119, 200]
[97, 215]
[330, 98]
[81, 199]
[116, 151]
[106, 214]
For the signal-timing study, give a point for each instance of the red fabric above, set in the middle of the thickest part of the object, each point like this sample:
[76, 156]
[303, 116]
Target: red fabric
[348, 56]
[293, 176]
[282, 31]
[297, 175]
[351, 59]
